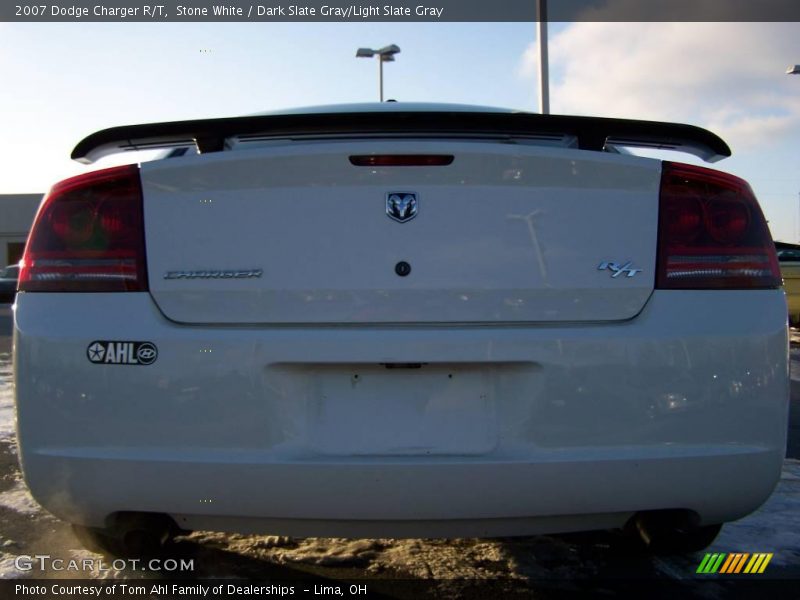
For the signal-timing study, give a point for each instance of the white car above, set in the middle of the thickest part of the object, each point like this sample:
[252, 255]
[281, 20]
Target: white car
[401, 320]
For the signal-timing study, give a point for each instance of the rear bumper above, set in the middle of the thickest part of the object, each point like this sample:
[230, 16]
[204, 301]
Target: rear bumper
[500, 431]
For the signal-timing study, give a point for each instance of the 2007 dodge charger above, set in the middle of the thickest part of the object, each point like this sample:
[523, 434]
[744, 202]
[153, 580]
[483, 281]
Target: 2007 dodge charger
[401, 320]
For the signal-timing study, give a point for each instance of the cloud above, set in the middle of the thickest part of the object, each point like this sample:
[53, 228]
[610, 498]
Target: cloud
[529, 65]
[728, 77]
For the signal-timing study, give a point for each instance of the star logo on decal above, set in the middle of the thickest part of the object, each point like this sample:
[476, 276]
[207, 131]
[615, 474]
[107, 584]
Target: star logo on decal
[96, 352]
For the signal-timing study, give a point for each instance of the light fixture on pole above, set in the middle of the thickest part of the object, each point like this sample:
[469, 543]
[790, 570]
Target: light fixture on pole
[385, 54]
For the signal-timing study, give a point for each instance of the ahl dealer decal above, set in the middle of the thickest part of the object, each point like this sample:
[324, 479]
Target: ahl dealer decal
[122, 353]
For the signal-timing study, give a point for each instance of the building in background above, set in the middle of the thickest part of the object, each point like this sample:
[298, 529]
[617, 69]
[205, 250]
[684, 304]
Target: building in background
[16, 217]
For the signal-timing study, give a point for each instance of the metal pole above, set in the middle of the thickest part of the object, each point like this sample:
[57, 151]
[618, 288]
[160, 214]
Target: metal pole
[544, 76]
[795, 70]
[380, 76]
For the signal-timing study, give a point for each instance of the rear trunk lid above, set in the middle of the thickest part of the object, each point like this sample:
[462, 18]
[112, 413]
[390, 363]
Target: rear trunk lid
[294, 232]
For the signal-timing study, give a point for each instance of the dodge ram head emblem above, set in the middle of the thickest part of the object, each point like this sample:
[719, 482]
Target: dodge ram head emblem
[401, 206]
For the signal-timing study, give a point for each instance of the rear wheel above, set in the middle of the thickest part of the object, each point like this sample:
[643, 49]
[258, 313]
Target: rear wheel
[129, 535]
[671, 533]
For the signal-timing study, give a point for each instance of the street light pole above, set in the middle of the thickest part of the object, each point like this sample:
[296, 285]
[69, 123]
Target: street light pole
[380, 77]
[385, 54]
[544, 75]
[795, 70]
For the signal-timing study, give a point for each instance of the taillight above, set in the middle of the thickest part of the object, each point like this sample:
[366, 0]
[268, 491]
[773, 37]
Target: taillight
[401, 160]
[712, 233]
[88, 236]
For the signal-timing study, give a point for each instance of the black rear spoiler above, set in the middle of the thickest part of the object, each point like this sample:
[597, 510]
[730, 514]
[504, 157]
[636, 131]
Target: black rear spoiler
[591, 133]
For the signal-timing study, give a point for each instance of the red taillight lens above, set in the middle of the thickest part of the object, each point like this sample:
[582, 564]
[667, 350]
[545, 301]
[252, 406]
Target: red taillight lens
[712, 233]
[88, 236]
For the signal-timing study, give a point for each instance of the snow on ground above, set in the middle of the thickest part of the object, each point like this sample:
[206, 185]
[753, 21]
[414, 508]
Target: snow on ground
[7, 417]
[413, 558]
[7, 568]
[19, 499]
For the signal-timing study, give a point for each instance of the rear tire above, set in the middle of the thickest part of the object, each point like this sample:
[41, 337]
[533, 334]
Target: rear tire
[130, 535]
[665, 533]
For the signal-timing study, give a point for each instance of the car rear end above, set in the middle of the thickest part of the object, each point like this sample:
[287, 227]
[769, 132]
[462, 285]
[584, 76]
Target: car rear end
[401, 336]
[789, 260]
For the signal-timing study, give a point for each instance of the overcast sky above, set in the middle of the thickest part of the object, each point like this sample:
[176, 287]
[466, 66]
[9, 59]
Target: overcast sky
[60, 82]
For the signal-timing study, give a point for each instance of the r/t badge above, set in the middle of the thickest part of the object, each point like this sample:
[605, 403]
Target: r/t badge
[617, 269]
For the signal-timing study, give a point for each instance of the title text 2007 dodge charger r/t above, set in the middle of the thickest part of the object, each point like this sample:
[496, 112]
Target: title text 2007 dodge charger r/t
[401, 320]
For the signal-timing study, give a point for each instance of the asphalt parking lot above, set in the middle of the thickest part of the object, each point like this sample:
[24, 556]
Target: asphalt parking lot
[545, 565]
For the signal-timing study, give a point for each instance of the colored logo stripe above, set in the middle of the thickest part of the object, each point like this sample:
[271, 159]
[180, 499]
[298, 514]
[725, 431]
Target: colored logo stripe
[758, 563]
[710, 563]
[732, 558]
[735, 562]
